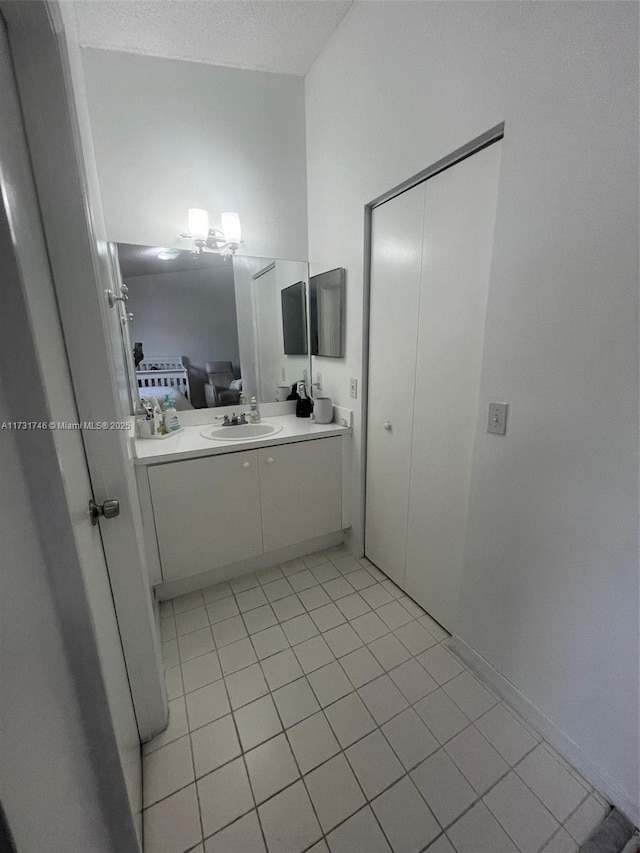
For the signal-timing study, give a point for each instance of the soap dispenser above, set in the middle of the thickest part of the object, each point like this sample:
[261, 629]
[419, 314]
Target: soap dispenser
[171, 419]
[254, 411]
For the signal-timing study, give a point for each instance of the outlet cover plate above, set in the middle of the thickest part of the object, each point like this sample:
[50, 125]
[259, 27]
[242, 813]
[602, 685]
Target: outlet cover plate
[497, 422]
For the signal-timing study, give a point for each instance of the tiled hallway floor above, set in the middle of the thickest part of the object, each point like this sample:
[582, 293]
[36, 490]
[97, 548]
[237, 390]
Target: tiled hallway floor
[314, 707]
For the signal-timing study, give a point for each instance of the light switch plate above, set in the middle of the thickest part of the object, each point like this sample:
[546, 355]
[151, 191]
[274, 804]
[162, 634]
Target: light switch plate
[497, 423]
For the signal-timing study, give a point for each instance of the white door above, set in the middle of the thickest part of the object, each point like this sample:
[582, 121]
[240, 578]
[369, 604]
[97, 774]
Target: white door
[396, 256]
[460, 213]
[50, 88]
[21, 206]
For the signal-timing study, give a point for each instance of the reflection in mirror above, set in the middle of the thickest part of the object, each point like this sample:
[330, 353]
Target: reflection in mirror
[294, 319]
[259, 286]
[326, 298]
[207, 329]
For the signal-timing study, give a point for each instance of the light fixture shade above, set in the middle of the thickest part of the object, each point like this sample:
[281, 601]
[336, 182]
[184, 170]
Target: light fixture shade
[198, 223]
[231, 227]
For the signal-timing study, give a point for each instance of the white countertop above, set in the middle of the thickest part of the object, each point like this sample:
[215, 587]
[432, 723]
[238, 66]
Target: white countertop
[191, 444]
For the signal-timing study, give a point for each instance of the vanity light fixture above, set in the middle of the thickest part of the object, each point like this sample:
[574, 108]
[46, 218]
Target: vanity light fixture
[225, 240]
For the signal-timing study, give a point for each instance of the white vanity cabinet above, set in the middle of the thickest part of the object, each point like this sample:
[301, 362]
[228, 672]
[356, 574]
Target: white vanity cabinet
[219, 510]
[300, 491]
[206, 512]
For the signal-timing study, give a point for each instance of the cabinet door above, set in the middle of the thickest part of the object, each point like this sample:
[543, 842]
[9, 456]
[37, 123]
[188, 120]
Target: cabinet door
[300, 491]
[396, 253]
[207, 512]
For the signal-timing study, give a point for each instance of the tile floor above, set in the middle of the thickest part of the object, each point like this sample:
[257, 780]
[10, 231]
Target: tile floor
[315, 707]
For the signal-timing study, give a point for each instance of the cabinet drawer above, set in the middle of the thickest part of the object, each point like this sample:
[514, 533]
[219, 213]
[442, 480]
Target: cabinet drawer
[300, 491]
[206, 512]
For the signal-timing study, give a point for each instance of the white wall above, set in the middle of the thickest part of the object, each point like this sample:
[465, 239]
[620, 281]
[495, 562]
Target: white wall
[550, 588]
[190, 313]
[170, 135]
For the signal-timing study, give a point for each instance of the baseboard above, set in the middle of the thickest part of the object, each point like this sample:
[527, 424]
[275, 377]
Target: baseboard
[565, 746]
[170, 589]
[353, 545]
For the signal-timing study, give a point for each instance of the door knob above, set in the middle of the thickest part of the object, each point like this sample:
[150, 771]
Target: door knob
[387, 425]
[109, 509]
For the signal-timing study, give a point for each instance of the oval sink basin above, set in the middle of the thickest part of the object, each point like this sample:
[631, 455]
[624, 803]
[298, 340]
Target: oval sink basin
[240, 432]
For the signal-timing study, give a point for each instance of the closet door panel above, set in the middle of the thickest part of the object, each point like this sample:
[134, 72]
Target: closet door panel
[460, 209]
[396, 255]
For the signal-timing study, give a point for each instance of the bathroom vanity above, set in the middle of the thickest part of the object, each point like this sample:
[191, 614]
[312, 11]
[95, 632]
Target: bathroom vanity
[217, 508]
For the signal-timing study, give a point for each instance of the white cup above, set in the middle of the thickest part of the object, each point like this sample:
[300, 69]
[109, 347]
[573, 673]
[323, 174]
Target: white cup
[323, 410]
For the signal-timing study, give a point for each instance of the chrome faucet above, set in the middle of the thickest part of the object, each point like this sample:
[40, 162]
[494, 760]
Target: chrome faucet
[235, 420]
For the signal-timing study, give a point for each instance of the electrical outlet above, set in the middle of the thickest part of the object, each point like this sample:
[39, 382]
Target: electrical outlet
[354, 388]
[284, 374]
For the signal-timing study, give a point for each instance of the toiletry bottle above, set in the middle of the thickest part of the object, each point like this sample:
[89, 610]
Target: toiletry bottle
[254, 412]
[171, 419]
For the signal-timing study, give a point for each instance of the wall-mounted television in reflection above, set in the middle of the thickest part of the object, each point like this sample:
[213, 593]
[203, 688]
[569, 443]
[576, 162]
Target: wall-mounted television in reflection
[294, 319]
[326, 311]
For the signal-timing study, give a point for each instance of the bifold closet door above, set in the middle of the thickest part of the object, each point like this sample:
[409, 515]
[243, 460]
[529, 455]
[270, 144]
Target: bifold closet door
[459, 224]
[396, 255]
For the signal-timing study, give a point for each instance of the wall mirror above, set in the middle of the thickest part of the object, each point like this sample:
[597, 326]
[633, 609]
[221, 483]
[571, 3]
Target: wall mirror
[213, 330]
[326, 308]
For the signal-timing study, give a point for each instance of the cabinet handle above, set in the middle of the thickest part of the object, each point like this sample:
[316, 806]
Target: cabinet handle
[387, 425]
[246, 464]
[270, 460]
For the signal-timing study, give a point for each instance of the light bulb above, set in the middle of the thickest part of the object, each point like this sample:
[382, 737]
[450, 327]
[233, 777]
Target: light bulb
[231, 227]
[198, 223]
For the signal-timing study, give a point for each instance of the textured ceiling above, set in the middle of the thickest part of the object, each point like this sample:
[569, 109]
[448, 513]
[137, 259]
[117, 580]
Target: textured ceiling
[282, 36]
